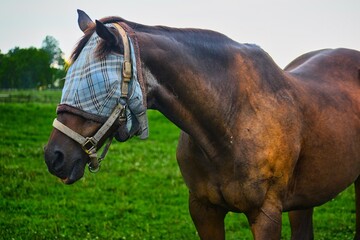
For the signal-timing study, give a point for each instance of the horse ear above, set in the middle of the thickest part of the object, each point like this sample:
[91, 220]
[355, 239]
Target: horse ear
[105, 33]
[84, 21]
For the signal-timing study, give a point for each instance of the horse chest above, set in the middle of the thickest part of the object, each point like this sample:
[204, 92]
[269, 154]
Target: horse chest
[218, 184]
[232, 194]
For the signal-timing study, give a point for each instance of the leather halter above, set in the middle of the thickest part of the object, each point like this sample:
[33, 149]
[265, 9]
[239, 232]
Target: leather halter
[90, 144]
[127, 67]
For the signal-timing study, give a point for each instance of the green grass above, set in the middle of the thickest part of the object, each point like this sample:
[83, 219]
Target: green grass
[138, 193]
[28, 96]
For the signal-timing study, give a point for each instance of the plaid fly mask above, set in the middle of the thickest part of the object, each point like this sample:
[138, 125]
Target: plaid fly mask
[93, 85]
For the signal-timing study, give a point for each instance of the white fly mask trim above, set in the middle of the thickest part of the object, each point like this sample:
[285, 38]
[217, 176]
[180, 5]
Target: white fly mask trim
[93, 85]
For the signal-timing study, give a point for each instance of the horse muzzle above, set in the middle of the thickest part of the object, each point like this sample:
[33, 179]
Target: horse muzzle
[68, 168]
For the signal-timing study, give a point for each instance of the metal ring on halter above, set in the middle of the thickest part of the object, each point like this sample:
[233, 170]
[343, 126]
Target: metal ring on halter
[89, 144]
[96, 168]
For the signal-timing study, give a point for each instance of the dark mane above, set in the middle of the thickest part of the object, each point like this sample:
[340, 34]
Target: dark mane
[103, 48]
[205, 44]
[185, 34]
[81, 44]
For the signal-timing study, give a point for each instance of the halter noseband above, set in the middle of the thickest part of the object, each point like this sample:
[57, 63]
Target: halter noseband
[89, 144]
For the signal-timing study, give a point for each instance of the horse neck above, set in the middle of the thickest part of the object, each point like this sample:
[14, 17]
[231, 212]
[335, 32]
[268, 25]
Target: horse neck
[194, 80]
[182, 83]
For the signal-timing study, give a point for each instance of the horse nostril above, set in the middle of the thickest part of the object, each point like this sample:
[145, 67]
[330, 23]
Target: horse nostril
[55, 161]
[58, 161]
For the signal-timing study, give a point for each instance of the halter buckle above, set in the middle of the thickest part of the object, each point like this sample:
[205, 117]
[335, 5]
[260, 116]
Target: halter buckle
[122, 115]
[127, 70]
[89, 145]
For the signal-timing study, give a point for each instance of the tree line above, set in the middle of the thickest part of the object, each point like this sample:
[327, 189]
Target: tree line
[29, 68]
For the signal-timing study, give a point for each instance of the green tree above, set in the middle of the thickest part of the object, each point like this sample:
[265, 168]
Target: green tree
[6, 80]
[51, 46]
[57, 62]
[26, 68]
[32, 67]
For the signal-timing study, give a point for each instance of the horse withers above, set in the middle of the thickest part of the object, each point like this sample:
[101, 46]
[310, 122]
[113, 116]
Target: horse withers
[255, 139]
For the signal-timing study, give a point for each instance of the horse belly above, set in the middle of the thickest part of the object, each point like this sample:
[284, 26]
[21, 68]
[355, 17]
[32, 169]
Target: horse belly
[329, 159]
[319, 178]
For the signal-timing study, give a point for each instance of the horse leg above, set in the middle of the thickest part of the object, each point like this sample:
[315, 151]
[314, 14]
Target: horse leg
[357, 206]
[266, 222]
[208, 219]
[301, 224]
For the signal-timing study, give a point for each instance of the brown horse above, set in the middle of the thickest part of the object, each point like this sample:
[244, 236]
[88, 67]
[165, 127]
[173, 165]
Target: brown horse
[255, 139]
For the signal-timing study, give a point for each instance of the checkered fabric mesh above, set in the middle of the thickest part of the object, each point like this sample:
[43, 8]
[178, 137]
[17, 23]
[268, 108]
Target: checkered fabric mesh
[93, 85]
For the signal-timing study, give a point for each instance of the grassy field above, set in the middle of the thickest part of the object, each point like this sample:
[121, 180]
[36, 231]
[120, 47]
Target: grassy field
[28, 96]
[138, 194]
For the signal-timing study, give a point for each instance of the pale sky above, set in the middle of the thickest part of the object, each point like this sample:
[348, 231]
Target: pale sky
[283, 28]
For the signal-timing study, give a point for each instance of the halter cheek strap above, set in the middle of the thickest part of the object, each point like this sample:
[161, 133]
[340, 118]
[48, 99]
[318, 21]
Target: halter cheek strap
[127, 67]
[89, 144]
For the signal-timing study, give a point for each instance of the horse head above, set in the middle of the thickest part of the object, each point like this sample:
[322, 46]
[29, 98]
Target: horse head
[101, 99]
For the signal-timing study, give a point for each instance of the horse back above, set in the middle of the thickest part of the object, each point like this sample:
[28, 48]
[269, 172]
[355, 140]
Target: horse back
[327, 65]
